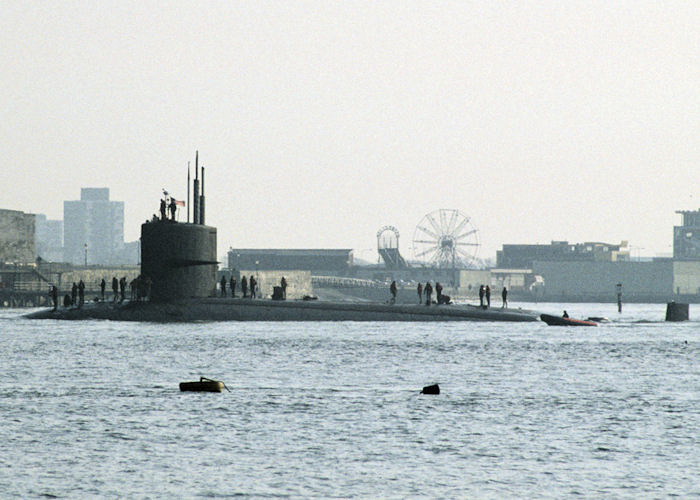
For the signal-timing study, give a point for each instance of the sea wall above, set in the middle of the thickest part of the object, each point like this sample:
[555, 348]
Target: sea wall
[92, 277]
[298, 282]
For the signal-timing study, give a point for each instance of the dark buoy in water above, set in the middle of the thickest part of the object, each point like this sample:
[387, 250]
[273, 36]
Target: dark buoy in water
[431, 389]
[204, 385]
[677, 312]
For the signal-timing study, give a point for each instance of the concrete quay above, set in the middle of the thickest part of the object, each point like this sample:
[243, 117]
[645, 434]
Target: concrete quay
[230, 309]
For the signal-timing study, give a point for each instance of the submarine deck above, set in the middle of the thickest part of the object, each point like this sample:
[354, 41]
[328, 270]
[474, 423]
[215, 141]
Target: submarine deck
[239, 309]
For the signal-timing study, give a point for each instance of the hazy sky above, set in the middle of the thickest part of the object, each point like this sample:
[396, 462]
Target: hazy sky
[320, 122]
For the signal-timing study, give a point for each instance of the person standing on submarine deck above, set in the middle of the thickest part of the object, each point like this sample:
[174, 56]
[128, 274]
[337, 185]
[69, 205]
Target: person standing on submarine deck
[252, 284]
[283, 285]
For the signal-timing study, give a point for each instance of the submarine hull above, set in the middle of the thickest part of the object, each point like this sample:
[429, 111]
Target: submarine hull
[229, 309]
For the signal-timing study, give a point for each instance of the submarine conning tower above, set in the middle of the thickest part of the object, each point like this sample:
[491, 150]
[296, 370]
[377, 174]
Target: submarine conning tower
[180, 258]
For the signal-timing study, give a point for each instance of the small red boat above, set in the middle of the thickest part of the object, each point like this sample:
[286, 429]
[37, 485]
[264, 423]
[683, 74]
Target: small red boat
[563, 321]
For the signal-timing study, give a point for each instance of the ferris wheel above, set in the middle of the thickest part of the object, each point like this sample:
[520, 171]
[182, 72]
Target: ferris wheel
[446, 238]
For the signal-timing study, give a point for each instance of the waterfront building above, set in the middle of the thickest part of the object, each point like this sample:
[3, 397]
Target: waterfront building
[523, 256]
[686, 238]
[659, 280]
[326, 261]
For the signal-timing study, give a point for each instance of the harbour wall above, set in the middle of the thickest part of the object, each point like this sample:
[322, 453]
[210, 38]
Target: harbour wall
[298, 282]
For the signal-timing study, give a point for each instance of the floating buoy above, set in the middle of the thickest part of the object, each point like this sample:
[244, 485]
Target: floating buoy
[204, 385]
[431, 389]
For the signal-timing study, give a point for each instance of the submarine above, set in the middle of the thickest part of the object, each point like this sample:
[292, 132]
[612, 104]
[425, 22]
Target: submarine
[239, 309]
[178, 260]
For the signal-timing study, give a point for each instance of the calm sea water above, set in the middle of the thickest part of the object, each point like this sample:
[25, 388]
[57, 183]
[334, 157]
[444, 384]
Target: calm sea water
[92, 409]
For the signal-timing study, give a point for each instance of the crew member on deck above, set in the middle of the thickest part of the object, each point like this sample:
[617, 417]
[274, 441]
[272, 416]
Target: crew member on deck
[252, 283]
[81, 293]
[115, 288]
[173, 208]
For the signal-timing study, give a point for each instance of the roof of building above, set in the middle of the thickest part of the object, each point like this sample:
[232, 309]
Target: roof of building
[290, 251]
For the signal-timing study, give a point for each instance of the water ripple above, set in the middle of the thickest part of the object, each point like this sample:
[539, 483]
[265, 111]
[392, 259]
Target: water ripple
[93, 409]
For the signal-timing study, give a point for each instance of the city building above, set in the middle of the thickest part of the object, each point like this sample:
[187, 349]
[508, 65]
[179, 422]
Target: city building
[17, 237]
[93, 228]
[686, 238]
[49, 239]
